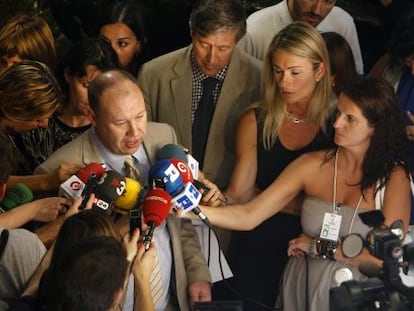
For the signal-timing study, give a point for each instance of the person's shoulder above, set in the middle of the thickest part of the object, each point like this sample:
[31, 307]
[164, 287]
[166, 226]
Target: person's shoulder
[154, 126]
[266, 12]
[338, 12]
[166, 59]
[249, 60]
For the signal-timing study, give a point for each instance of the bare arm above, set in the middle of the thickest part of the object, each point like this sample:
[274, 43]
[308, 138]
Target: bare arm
[46, 182]
[43, 210]
[396, 206]
[397, 198]
[249, 215]
[242, 184]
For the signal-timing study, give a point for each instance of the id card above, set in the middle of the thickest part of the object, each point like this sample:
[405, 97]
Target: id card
[330, 227]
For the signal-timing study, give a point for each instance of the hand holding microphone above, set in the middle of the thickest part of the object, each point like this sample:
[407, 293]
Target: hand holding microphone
[74, 185]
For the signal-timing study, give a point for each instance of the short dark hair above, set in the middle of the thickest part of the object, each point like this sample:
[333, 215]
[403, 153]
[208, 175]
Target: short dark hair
[87, 52]
[209, 16]
[103, 82]
[92, 273]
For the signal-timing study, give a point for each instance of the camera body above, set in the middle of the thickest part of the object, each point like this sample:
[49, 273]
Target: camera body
[384, 289]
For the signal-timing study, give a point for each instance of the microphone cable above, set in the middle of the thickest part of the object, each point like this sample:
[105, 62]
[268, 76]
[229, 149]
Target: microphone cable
[230, 287]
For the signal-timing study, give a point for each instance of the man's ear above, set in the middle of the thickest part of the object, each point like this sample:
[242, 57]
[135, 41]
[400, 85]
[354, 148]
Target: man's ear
[3, 188]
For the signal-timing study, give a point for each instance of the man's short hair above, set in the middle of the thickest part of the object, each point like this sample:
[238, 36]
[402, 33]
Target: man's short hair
[103, 82]
[208, 16]
[92, 273]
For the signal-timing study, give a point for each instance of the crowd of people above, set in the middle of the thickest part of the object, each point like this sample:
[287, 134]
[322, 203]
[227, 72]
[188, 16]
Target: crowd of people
[287, 127]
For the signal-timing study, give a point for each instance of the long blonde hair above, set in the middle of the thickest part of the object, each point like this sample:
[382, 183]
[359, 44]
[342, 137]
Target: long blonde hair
[303, 40]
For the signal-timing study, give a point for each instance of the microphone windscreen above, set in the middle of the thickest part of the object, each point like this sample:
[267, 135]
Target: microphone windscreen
[129, 197]
[171, 151]
[85, 172]
[370, 269]
[110, 187]
[17, 195]
[157, 204]
[165, 175]
[183, 169]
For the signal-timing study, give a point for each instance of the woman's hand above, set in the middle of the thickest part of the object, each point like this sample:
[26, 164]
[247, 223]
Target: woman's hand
[131, 244]
[299, 246]
[62, 173]
[213, 196]
[144, 263]
[48, 209]
[74, 209]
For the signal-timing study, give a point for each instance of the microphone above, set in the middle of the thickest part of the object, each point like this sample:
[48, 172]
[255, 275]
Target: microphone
[163, 174]
[17, 195]
[130, 198]
[109, 187]
[172, 151]
[73, 186]
[189, 197]
[156, 207]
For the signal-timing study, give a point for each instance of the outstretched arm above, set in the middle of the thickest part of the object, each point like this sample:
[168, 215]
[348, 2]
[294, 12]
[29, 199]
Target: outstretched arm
[249, 215]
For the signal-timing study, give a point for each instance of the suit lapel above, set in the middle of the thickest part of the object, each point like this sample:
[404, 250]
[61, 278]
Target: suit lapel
[181, 91]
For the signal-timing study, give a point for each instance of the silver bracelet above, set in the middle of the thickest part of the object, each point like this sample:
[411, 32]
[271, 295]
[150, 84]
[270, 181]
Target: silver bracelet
[312, 252]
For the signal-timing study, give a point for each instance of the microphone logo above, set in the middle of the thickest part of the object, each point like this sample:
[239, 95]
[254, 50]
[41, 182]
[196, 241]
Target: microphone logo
[75, 185]
[182, 167]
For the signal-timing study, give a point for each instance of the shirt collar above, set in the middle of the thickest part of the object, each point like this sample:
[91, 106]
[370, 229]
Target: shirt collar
[198, 75]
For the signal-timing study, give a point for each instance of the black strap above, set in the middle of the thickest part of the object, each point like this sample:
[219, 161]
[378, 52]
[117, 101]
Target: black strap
[4, 237]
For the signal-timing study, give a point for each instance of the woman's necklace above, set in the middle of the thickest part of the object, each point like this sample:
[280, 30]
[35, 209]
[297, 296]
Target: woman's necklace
[293, 118]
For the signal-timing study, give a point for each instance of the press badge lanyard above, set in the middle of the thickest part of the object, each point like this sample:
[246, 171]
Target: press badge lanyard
[332, 221]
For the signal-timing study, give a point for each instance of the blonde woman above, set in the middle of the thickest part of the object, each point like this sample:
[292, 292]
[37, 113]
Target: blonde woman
[290, 120]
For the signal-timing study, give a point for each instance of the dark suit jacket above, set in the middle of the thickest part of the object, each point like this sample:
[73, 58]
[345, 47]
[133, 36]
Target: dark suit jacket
[188, 261]
[167, 86]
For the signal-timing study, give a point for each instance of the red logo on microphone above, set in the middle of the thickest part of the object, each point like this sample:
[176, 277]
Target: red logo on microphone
[182, 167]
[75, 185]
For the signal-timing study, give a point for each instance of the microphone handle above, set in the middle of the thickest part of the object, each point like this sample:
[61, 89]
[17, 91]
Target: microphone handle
[148, 236]
[90, 187]
[196, 210]
[199, 185]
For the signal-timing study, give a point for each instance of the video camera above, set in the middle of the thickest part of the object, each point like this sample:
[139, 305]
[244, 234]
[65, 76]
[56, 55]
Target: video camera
[384, 289]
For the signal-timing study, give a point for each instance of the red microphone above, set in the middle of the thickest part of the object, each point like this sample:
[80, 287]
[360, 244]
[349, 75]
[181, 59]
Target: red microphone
[92, 168]
[156, 207]
[75, 184]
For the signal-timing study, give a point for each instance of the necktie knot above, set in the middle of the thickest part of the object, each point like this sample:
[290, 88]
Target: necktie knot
[130, 169]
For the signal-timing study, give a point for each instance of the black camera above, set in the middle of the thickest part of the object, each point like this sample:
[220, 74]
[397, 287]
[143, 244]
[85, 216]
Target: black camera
[384, 289]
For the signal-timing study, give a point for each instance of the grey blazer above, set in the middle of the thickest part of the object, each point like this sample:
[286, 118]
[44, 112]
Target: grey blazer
[167, 86]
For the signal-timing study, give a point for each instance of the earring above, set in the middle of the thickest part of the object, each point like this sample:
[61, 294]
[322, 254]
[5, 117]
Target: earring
[317, 79]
